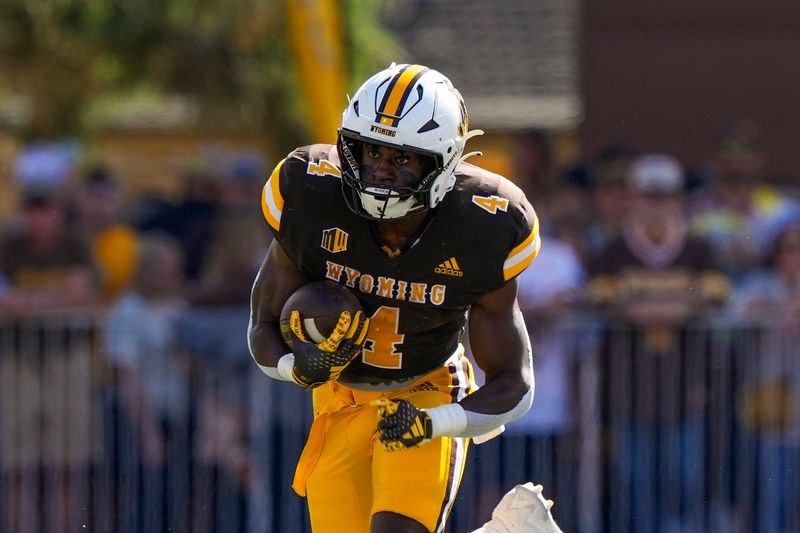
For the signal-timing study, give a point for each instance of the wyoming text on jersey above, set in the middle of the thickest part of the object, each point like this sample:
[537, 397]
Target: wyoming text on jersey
[386, 287]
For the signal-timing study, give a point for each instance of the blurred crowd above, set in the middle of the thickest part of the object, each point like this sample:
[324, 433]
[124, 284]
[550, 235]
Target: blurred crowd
[647, 251]
[642, 240]
[76, 240]
[167, 282]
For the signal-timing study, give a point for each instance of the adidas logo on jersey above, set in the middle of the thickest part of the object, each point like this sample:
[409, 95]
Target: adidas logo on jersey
[449, 268]
[425, 386]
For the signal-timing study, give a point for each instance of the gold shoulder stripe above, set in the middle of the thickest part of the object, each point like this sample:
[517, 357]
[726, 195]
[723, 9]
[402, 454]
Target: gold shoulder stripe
[523, 254]
[271, 199]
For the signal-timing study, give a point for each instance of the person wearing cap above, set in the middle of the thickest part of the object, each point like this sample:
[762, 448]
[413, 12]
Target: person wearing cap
[44, 266]
[650, 283]
[610, 196]
[47, 390]
[738, 211]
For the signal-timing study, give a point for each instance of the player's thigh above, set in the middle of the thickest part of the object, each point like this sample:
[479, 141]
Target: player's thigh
[421, 482]
[386, 522]
[339, 490]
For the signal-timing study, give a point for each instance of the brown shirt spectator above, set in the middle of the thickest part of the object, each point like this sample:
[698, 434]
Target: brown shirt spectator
[655, 274]
[43, 266]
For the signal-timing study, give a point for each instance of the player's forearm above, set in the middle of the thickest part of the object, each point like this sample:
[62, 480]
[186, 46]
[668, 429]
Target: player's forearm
[269, 351]
[499, 395]
[497, 403]
[502, 348]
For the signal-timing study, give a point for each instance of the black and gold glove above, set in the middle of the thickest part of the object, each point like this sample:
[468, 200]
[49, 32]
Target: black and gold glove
[315, 364]
[402, 425]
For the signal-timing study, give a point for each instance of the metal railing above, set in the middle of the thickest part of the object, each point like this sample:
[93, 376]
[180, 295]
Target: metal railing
[667, 431]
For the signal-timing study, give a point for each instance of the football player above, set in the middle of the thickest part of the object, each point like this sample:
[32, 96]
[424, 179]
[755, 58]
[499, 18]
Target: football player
[426, 241]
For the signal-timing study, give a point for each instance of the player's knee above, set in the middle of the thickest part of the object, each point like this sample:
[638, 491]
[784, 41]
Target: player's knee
[387, 522]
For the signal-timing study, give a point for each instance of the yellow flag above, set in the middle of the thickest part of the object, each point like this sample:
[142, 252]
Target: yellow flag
[315, 34]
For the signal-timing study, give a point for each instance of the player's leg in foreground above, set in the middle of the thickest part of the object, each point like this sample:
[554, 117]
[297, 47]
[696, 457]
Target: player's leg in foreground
[357, 484]
[522, 510]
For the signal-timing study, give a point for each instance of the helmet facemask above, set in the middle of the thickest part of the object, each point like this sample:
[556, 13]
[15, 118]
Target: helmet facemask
[376, 201]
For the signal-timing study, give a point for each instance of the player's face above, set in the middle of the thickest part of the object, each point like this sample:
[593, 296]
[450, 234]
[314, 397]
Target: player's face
[381, 165]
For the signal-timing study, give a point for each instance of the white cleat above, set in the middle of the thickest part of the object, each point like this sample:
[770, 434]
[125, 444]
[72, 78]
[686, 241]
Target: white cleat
[523, 509]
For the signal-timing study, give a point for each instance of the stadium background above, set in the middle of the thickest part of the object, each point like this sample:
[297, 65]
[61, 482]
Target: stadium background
[164, 95]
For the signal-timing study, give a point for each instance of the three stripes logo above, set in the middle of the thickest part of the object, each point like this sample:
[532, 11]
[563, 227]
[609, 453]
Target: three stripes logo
[425, 386]
[334, 240]
[449, 268]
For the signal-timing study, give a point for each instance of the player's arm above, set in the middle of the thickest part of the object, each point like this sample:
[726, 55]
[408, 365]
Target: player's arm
[501, 347]
[276, 280]
[309, 365]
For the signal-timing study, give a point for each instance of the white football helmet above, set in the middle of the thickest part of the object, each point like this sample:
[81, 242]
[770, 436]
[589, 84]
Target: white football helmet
[411, 108]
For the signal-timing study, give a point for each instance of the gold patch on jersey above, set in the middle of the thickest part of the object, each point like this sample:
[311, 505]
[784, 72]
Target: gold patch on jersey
[490, 203]
[391, 252]
[334, 240]
[449, 268]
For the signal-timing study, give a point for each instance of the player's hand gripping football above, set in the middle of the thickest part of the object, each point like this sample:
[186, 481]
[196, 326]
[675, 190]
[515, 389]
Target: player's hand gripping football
[401, 424]
[315, 364]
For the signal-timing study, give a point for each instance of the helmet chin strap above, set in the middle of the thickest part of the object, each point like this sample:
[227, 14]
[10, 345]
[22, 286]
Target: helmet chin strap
[384, 205]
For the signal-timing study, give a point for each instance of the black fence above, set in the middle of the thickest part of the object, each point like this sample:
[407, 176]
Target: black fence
[667, 430]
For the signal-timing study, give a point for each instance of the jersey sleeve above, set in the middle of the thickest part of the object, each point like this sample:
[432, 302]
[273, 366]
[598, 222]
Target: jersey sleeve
[272, 198]
[527, 241]
[295, 178]
[299, 187]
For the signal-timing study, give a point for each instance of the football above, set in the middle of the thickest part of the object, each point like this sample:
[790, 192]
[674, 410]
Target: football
[319, 303]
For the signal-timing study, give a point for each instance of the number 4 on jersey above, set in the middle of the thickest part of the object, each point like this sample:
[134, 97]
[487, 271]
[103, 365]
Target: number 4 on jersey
[490, 203]
[380, 348]
[323, 167]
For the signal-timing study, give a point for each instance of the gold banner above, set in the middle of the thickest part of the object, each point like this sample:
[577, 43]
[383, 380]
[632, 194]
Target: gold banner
[315, 34]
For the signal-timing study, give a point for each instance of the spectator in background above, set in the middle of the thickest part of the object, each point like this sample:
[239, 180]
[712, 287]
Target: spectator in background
[44, 265]
[152, 387]
[113, 243]
[769, 403]
[47, 390]
[238, 241]
[655, 273]
[773, 294]
[738, 212]
[191, 220]
[608, 174]
[568, 212]
[652, 280]
[214, 332]
[215, 328]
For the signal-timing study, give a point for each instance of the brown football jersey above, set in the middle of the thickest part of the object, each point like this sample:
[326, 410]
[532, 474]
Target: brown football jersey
[482, 234]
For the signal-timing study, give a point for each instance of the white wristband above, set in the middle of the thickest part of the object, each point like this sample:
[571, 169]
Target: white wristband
[449, 419]
[452, 420]
[282, 372]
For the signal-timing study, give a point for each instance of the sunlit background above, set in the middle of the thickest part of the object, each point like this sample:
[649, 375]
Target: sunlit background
[656, 140]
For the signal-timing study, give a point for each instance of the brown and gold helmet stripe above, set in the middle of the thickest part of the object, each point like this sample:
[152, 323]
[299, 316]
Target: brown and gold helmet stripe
[388, 113]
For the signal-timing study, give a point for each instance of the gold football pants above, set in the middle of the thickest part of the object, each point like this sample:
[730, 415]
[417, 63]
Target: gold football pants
[348, 476]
